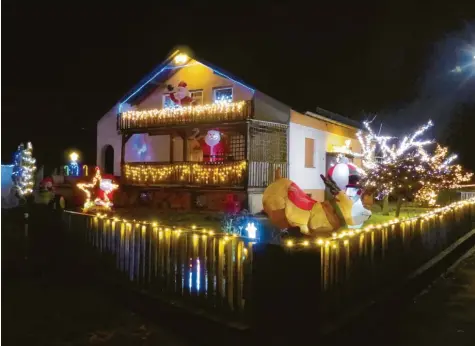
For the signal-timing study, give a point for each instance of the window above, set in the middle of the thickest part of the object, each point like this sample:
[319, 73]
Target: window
[167, 102]
[197, 96]
[223, 95]
[309, 152]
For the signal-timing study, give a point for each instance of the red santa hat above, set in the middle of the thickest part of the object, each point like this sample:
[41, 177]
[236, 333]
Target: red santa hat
[182, 84]
[108, 176]
[46, 182]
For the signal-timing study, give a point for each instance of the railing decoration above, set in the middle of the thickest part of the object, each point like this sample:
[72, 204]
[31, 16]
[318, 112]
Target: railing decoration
[215, 112]
[189, 172]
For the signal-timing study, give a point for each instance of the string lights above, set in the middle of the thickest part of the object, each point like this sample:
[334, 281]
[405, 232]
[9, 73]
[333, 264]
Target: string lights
[406, 169]
[23, 169]
[186, 172]
[377, 149]
[177, 231]
[441, 175]
[336, 238]
[221, 111]
[344, 235]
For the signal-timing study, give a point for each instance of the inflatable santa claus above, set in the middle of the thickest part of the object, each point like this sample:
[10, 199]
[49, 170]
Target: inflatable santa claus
[181, 96]
[213, 146]
[105, 192]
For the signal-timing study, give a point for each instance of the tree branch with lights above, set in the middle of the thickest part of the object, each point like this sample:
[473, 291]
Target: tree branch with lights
[443, 175]
[404, 168]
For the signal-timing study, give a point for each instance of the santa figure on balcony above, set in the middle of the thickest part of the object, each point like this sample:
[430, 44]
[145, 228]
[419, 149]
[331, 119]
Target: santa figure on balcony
[214, 146]
[181, 96]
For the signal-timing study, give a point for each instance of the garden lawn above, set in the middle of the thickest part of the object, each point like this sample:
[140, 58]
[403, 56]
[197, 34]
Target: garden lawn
[406, 211]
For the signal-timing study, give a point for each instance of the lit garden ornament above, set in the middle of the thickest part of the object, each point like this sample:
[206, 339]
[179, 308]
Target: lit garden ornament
[343, 173]
[213, 147]
[251, 230]
[73, 166]
[99, 192]
[23, 169]
[286, 205]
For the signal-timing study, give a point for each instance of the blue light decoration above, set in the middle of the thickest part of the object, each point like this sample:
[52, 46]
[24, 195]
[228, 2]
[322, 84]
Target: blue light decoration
[7, 181]
[242, 225]
[72, 169]
[23, 177]
[176, 67]
[139, 146]
[17, 168]
[251, 230]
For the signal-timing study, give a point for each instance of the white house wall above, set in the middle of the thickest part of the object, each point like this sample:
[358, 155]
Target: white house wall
[107, 135]
[306, 178]
[309, 178]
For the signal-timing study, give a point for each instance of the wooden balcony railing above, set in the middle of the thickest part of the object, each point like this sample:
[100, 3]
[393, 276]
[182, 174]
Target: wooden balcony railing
[261, 174]
[185, 173]
[211, 113]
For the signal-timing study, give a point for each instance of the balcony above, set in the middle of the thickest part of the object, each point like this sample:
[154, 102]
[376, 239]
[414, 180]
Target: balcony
[206, 114]
[197, 174]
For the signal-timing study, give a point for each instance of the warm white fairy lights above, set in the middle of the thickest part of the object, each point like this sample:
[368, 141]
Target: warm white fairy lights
[342, 237]
[223, 173]
[406, 169]
[441, 175]
[162, 229]
[199, 113]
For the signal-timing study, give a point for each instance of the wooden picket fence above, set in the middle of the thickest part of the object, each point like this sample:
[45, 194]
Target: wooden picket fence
[264, 284]
[205, 268]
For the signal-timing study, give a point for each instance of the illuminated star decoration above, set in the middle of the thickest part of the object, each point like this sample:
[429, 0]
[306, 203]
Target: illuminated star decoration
[89, 189]
[251, 230]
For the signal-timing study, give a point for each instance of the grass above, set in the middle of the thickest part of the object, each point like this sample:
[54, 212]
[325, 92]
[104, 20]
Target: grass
[212, 220]
[406, 211]
[173, 218]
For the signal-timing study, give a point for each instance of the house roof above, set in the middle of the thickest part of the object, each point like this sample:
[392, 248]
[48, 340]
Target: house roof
[339, 119]
[166, 69]
[163, 72]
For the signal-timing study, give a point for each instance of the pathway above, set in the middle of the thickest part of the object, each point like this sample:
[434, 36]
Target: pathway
[443, 314]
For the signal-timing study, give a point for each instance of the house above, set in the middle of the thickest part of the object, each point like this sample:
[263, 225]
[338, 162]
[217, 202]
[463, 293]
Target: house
[224, 146]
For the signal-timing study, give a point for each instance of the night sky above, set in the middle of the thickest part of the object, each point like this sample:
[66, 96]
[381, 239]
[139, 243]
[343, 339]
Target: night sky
[64, 66]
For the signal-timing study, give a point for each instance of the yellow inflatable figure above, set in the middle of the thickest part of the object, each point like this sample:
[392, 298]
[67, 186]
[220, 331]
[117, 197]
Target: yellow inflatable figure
[288, 206]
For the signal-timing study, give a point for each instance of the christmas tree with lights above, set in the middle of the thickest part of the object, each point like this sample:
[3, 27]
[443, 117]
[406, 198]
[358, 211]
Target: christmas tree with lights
[23, 170]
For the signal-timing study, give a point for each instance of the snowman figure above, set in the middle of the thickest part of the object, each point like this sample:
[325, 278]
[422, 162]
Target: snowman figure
[181, 96]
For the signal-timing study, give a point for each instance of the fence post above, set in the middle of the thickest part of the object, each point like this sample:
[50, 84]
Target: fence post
[286, 288]
[25, 216]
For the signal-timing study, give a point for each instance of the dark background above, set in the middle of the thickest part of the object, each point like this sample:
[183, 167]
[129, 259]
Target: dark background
[66, 65]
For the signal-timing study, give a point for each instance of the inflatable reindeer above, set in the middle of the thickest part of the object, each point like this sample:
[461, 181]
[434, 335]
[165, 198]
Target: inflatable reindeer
[288, 206]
